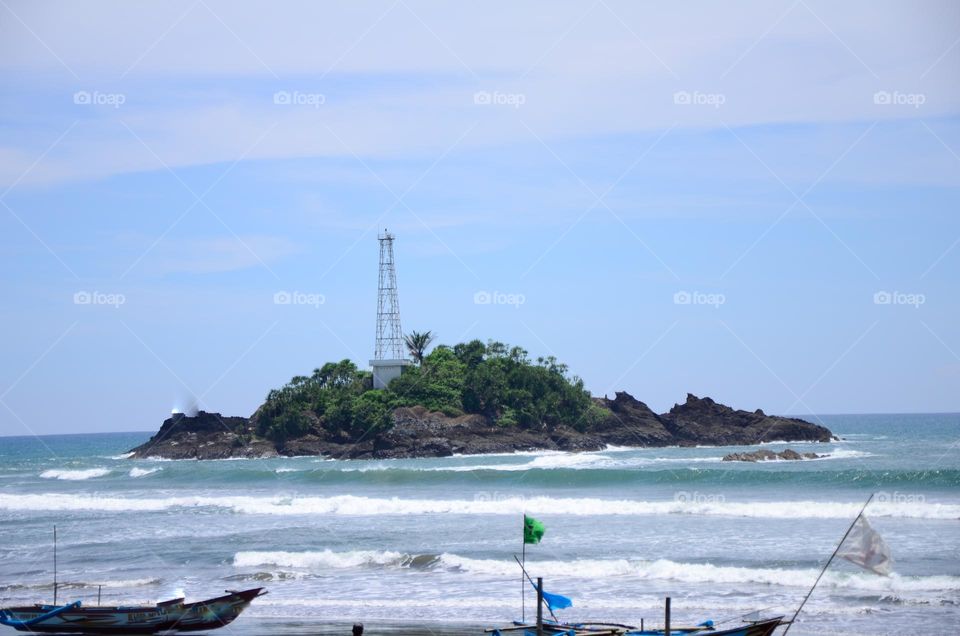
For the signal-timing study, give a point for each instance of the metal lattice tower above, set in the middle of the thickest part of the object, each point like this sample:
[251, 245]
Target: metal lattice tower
[390, 345]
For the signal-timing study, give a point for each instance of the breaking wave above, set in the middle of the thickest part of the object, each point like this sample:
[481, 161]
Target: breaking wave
[483, 503]
[660, 569]
[75, 475]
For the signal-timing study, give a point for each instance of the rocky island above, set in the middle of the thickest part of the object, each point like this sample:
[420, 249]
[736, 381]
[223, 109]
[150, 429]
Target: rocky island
[473, 398]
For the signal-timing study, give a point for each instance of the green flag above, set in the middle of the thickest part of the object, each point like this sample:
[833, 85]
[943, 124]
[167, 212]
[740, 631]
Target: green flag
[532, 530]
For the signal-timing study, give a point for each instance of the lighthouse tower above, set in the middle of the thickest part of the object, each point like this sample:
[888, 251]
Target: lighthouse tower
[389, 356]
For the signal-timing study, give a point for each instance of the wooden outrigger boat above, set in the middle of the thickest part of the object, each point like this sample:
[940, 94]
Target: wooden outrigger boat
[751, 625]
[169, 616]
[764, 627]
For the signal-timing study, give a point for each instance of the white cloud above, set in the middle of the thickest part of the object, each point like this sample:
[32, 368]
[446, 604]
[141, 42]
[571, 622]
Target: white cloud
[202, 91]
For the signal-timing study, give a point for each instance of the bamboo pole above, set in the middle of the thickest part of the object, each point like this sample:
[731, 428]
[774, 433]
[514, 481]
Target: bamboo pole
[829, 561]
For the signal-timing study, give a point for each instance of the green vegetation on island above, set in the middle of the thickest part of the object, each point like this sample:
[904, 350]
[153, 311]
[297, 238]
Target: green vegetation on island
[494, 380]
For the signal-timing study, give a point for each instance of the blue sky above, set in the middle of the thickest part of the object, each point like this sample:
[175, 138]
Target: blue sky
[756, 202]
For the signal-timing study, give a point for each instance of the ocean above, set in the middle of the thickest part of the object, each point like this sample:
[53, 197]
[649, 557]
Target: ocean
[427, 545]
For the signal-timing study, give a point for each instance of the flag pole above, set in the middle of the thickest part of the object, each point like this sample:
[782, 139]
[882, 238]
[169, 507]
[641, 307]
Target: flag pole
[523, 584]
[829, 561]
[54, 564]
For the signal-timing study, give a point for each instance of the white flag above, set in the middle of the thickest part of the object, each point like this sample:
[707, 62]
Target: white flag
[866, 548]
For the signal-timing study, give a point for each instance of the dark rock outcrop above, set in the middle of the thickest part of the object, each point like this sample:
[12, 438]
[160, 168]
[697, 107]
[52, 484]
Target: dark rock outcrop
[417, 432]
[205, 436]
[764, 455]
[632, 423]
[701, 421]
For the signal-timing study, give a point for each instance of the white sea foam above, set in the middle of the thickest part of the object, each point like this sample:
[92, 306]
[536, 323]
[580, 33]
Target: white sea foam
[592, 461]
[75, 475]
[374, 506]
[845, 453]
[114, 584]
[126, 583]
[325, 559]
[661, 569]
[545, 462]
[143, 472]
[519, 453]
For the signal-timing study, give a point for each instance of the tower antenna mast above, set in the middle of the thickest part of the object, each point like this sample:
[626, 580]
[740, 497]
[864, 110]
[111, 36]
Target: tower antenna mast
[389, 356]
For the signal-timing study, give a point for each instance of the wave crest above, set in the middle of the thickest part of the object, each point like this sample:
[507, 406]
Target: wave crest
[660, 569]
[75, 475]
[483, 504]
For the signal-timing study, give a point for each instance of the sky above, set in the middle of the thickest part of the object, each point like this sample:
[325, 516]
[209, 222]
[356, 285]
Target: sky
[753, 201]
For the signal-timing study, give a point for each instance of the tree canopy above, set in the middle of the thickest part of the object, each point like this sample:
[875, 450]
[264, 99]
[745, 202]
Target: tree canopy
[495, 380]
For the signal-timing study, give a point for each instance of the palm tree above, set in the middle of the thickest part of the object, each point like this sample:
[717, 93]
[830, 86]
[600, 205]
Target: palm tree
[417, 344]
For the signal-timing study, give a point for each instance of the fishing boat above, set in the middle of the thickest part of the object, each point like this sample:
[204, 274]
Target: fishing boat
[750, 625]
[169, 616]
[764, 627]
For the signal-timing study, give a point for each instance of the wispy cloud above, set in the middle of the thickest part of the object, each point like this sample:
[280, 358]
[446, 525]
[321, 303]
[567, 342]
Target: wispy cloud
[199, 100]
[218, 254]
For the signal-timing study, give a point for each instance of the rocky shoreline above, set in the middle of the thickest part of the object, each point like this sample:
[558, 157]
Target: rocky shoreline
[417, 432]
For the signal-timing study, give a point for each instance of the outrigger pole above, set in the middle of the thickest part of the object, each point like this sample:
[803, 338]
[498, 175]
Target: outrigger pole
[829, 561]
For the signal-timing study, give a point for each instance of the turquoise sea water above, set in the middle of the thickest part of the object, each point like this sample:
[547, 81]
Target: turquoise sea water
[430, 541]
